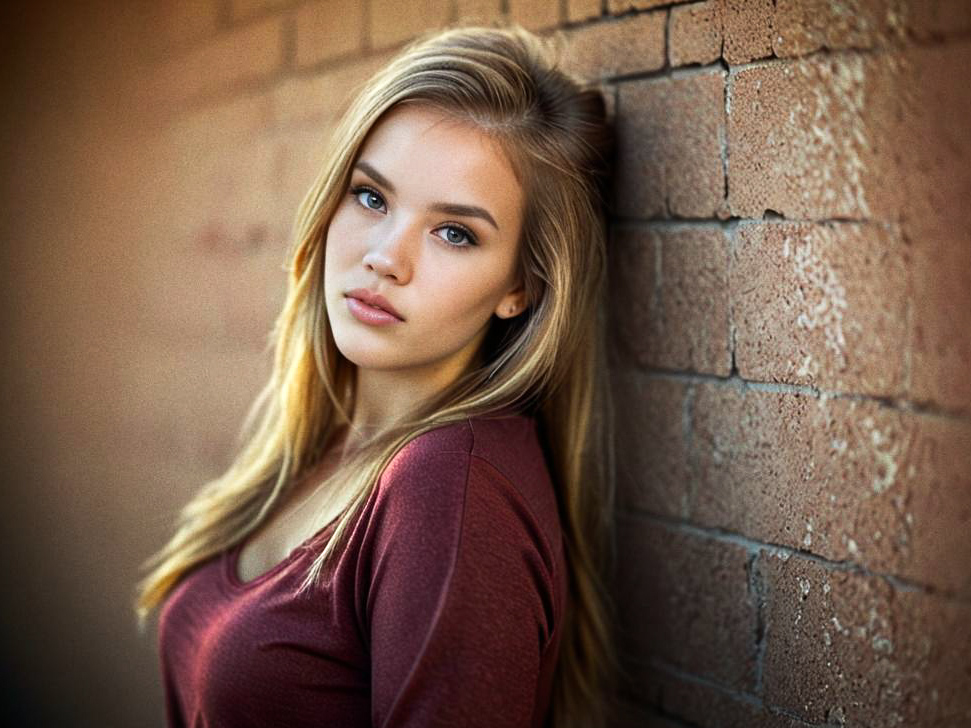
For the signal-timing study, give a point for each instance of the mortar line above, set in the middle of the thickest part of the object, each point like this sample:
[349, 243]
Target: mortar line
[754, 546]
[898, 404]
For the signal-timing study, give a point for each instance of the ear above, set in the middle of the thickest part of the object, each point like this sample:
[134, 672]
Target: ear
[512, 304]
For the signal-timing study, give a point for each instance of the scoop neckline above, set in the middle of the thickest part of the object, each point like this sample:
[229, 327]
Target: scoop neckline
[231, 560]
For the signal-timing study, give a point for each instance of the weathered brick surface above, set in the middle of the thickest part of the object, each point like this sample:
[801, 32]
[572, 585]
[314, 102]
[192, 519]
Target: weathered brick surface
[669, 161]
[802, 305]
[824, 139]
[804, 138]
[652, 443]
[327, 30]
[534, 16]
[233, 58]
[578, 10]
[693, 703]
[741, 32]
[746, 29]
[669, 296]
[848, 648]
[695, 33]
[841, 478]
[685, 601]
[821, 138]
[617, 46]
[801, 27]
[392, 22]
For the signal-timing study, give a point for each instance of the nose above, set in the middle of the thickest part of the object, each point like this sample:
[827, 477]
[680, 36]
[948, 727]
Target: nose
[390, 253]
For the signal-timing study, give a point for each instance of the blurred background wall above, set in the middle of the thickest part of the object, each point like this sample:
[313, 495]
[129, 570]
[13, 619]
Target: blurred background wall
[791, 316]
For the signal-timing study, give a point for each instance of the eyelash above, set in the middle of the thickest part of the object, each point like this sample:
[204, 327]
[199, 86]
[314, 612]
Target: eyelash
[472, 240]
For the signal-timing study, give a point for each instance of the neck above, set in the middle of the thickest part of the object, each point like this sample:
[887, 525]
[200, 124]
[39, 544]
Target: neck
[385, 397]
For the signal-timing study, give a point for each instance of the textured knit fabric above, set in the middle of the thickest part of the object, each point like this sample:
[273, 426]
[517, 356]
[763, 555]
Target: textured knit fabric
[444, 609]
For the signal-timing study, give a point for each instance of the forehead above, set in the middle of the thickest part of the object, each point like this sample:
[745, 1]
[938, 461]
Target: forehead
[430, 156]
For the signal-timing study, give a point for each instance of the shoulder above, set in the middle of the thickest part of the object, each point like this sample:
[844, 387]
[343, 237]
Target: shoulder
[496, 460]
[507, 443]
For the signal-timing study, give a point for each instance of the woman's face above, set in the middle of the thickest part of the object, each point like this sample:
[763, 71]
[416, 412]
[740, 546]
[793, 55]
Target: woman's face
[430, 222]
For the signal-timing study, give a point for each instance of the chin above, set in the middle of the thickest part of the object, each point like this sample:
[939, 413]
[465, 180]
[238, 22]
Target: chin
[355, 347]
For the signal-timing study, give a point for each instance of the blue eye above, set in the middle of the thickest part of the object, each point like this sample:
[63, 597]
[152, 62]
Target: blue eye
[462, 233]
[371, 195]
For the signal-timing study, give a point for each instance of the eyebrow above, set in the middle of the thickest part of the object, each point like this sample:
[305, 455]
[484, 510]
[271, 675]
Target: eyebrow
[449, 208]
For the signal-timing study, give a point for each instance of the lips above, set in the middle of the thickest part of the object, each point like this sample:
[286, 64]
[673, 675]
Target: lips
[374, 300]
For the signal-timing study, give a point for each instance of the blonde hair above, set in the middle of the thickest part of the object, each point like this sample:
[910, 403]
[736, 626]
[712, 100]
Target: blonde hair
[549, 361]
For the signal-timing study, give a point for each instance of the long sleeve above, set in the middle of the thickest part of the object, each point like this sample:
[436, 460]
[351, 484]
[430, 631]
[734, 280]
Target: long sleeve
[461, 597]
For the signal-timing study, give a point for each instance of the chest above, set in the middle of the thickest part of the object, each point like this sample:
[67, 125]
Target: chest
[305, 509]
[285, 531]
[255, 653]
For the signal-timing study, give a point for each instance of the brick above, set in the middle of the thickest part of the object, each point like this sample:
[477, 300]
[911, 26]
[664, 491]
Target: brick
[479, 11]
[323, 97]
[934, 182]
[879, 137]
[669, 161]
[694, 702]
[746, 29]
[685, 601]
[579, 10]
[237, 57]
[845, 479]
[808, 139]
[928, 135]
[327, 30]
[616, 46]
[803, 305]
[620, 6]
[801, 27]
[939, 335]
[844, 647]
[534, 15]
[391, 22]
[695, 33]
[669, 297]
[652, 445]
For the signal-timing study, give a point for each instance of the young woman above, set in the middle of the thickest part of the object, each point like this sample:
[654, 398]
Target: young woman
[416, 530]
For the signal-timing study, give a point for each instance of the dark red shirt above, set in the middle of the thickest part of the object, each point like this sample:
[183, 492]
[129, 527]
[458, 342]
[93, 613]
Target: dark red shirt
[444, 609]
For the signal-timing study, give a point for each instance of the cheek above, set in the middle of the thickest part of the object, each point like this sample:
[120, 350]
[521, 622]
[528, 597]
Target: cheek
[462, 301]
[340, 241]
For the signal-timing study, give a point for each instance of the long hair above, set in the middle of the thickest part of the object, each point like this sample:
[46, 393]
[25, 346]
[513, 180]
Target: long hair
[549, 361]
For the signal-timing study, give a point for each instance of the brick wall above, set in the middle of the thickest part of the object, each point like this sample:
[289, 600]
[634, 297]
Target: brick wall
[791, 331]
[791, 282]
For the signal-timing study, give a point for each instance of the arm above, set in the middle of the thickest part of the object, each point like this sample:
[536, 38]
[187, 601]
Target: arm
[460, 602]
